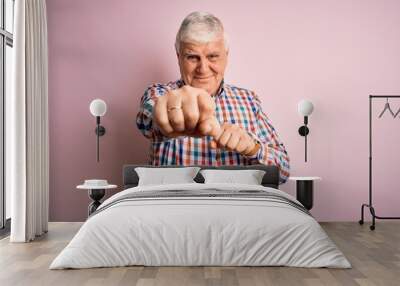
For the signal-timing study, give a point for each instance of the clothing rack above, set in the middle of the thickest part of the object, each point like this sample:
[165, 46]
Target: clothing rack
[370, 206]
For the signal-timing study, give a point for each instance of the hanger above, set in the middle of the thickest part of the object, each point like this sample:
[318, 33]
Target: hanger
[397, 113]
[387, 106]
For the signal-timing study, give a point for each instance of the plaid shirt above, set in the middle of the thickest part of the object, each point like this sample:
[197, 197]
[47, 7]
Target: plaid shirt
[233, 105]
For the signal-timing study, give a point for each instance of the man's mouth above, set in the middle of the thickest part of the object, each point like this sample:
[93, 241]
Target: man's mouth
[202, 78]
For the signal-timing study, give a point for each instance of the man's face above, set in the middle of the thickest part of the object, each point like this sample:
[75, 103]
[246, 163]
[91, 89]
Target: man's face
[203, 65]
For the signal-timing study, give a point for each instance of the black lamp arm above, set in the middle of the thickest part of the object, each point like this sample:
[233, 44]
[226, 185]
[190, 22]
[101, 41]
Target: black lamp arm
[303, 131]
[100, 131]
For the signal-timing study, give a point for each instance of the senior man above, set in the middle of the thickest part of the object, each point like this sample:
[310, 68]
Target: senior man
[201, 120]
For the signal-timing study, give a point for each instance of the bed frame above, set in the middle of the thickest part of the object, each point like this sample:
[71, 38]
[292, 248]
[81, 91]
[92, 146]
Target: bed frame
[270, 179]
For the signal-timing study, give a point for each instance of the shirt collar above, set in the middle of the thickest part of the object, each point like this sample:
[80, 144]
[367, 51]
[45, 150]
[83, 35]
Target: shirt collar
[181, 83]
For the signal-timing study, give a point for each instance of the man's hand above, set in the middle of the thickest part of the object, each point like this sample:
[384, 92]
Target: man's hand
[186, 111]
[234, 138]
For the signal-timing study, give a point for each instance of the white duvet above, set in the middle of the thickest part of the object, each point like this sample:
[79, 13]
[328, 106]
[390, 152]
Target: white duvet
[200, 231]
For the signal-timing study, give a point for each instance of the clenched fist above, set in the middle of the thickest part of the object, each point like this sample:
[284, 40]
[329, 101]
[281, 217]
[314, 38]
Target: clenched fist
[186, 111]
[234, 138]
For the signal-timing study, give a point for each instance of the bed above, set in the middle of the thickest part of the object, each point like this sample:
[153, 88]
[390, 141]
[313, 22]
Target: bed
[201, 224]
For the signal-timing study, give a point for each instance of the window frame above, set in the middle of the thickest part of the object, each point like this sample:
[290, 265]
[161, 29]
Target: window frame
[6, 39]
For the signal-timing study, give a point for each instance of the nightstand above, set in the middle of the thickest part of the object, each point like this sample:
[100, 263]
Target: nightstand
[96, 192]
[305, 190]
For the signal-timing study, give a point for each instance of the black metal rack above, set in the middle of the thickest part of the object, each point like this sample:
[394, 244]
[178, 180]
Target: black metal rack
[370, 206]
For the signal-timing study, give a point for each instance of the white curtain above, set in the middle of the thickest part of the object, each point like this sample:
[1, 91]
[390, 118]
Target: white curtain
[27, 123]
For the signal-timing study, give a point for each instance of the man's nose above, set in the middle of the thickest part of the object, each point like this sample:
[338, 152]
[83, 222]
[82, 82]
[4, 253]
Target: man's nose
[202, 67]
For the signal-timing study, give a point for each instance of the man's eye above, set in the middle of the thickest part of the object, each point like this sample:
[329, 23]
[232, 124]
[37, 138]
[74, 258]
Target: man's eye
[213, 57]
[191, 57]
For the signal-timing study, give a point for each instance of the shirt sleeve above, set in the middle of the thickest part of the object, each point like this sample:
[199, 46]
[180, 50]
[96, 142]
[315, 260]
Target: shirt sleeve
[144, 118]
[272, 151]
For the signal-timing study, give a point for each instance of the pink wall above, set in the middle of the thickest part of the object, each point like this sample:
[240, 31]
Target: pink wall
[334, 53]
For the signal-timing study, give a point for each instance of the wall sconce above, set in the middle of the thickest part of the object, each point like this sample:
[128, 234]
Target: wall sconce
[305, 108]
[98, 108]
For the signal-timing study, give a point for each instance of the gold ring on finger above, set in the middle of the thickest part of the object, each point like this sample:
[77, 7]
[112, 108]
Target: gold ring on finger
[173, 108]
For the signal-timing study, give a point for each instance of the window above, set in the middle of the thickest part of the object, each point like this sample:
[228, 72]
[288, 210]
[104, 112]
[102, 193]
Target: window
[6, 60]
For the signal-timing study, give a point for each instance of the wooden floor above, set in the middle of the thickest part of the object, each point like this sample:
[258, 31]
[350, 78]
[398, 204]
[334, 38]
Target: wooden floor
[375, 256]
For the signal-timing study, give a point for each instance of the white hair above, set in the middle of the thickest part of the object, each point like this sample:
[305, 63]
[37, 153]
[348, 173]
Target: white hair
[200, 27]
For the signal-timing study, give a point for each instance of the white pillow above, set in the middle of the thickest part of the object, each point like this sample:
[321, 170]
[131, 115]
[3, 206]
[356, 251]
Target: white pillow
[249, 177]
[163, 176]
